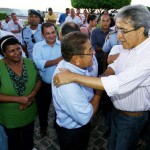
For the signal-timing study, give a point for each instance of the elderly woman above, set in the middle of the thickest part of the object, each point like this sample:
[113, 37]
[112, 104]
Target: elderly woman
[19, 83]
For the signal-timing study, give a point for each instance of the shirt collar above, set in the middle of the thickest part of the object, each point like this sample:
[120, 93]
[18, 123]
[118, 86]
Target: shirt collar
[139, 49]
[38, 28]
[105, 32]
[74, 68]
[57, 42]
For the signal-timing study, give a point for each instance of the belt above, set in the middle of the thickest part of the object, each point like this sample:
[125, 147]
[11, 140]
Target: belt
[131, 113]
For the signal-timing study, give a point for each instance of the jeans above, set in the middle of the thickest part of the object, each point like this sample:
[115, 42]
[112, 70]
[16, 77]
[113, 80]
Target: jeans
[125, 130]
[3, 139]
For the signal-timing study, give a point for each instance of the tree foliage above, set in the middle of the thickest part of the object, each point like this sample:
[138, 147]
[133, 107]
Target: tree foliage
[100, 4]
[2, 15]
[148, 8]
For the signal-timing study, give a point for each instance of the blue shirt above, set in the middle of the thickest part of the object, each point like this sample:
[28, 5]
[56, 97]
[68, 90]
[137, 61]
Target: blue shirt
[42, 52]
[98, 39]
[93, 70]
[27, 39]
[72, 101]
[3, 139]
[62, 18]
[110, 42]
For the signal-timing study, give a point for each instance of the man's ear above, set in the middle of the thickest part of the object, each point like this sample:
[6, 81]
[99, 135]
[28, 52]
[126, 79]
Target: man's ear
[141, 31]
[75, 60]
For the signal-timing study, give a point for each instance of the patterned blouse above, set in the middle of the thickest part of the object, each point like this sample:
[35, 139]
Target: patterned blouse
[19, 83]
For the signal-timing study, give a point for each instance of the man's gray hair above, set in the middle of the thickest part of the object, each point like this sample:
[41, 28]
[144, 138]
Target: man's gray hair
[136, 15]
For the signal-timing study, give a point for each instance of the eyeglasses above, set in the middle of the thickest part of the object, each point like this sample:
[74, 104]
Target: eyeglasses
[33, 39]
[86, 54]
[90, 54]
[125, 32]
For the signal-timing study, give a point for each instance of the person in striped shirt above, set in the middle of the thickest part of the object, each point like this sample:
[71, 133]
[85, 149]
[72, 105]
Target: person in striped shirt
[127, 80]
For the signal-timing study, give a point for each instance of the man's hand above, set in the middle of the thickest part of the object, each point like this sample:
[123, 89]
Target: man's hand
[64, 77]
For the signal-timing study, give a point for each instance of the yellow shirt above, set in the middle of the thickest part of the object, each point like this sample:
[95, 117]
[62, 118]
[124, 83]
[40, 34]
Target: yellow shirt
[51, 17]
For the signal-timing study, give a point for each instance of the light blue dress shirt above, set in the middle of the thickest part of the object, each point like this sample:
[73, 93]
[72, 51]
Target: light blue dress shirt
[93, 70]
[27, 39]
[110, 42]
[72, 101]
[42, 52]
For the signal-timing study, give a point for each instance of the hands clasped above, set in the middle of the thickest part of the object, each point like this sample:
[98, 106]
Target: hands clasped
[26, 101]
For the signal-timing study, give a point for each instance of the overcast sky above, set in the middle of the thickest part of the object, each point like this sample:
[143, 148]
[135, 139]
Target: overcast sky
[57, 5]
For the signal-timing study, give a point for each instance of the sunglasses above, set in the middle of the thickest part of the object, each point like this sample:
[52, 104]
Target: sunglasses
[33, 39]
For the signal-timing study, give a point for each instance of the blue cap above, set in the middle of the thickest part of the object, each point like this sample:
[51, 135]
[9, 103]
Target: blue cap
[34, 12]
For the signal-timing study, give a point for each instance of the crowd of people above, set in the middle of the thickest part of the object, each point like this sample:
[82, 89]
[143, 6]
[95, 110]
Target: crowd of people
[93, 64]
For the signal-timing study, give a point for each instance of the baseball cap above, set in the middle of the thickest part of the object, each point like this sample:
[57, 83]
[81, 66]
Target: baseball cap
[34, 12]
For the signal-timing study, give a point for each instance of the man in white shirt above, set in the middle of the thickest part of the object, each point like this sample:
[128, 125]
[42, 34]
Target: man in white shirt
[5, 23]
[128, 80]
[15, 26]
[73, 18]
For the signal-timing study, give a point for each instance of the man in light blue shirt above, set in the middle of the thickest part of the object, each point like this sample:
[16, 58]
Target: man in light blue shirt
[68, 27]
[74, 104]
[31, 34]
[110, 41]
[46, 55]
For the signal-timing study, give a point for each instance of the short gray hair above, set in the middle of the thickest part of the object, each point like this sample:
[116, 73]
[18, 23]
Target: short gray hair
[136, 15]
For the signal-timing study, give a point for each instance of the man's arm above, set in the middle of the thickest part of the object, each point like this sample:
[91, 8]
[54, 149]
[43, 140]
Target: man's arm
[53, 62]
[109, 71]
[107, 46]
[19, 27]
[96, 100]
[51, 20]
[112, 58]
[66, 76]
[25, 50]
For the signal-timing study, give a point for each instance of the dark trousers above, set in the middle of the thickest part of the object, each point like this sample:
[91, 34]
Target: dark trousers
[106, 107]
[20, 138]
[100, 66]
[73, 139]
[44, 97]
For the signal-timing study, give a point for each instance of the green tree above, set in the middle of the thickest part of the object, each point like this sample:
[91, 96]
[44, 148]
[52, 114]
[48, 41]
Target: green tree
[91, 5]
[148, 8]
[2, 15]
